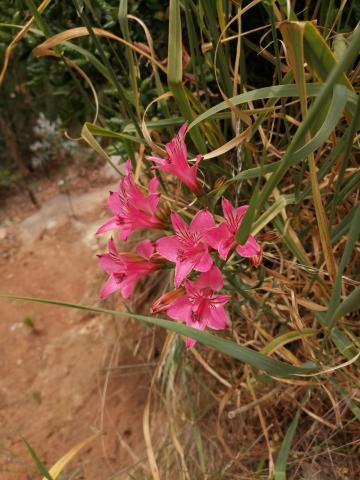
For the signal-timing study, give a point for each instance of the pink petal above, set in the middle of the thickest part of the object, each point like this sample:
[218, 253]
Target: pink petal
[225, 246]
[114, 202]
[153, 201]
[176, 149]
[112, 246]
[240, 211]
[227, 208]
[218, 319]
[109, 225]
[180, 309]
[249, 249]
[168, 247]
[178, 223]
[153, 185]
[145, 249]
[128, 167]
[127, 287]
[204, 263]
[125, 232]
[182, 269]
[210, 279]
[190, 342]
[110, 286]
[220, 300]
[182, 130]
[202, 221]
[215, 235]
[109, 263]
[198, 159]
[159, 160]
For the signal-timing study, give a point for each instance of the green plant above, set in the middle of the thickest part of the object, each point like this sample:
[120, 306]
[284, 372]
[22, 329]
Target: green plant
[283, 139]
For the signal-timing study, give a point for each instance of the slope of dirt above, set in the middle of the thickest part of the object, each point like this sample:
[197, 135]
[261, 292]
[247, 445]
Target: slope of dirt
[65, 374]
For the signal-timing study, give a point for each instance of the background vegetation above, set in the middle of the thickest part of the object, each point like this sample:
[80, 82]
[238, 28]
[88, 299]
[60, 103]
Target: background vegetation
[268, 87]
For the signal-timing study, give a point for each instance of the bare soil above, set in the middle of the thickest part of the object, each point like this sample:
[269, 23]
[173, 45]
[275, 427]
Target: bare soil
[64, 373]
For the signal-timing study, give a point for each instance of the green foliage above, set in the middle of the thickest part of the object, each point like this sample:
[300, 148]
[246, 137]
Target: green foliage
[7, 179]
[277, 121]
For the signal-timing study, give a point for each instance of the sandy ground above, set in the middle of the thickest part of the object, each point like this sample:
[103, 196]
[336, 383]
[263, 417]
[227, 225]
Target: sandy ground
[65, 374]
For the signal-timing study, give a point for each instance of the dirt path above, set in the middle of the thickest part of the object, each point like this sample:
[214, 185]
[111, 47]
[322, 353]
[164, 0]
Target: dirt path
[65, 374]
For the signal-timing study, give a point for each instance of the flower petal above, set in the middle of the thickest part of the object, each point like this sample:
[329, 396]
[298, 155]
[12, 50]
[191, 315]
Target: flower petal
[112, 246]
[204, 263]
[202, 221]
[218, 318]
[114, 203]
[225, 246]
[168, 247]
[227, 208]
[240, 211]
[159, 160]
[190, 342]
[110, 286]
[110, 264]
[128, 167]
[153, 185]
[125, 232]
[249, 249]
[145, 248]
[180, 309]
[182, 130]
[215, 235]
[108, 225]
[178, 223]
[210, 279]
[128, 285]
[182, 270]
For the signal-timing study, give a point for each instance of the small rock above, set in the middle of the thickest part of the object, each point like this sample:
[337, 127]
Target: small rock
[51, 224]
[3, 233]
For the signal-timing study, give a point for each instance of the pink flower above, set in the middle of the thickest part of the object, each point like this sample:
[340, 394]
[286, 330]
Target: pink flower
[126, 268]
[199, 307]
[187, 248]
[176, 161]
[131, 208]
[223, 237]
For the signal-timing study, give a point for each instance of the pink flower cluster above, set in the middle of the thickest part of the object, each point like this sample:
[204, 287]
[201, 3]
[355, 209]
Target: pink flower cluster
[190, 248]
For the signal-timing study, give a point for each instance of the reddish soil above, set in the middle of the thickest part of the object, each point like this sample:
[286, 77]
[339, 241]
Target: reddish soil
[65, 374]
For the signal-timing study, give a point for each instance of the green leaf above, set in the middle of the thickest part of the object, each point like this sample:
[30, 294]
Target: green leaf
[256, 359]
[350, 304]
[276, 91]
[319, 56]
[105, 132]
[90, 58]
[90, 140]
[288, 337]
[273, 92]
[274, 210]
[281, 461]
[354, 233]
[39, 465]
[175, 72]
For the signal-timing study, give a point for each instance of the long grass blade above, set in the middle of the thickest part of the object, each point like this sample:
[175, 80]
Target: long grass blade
[175, 71]
[281, 461]
[59, 466]
[39, 465]
[247, 355]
